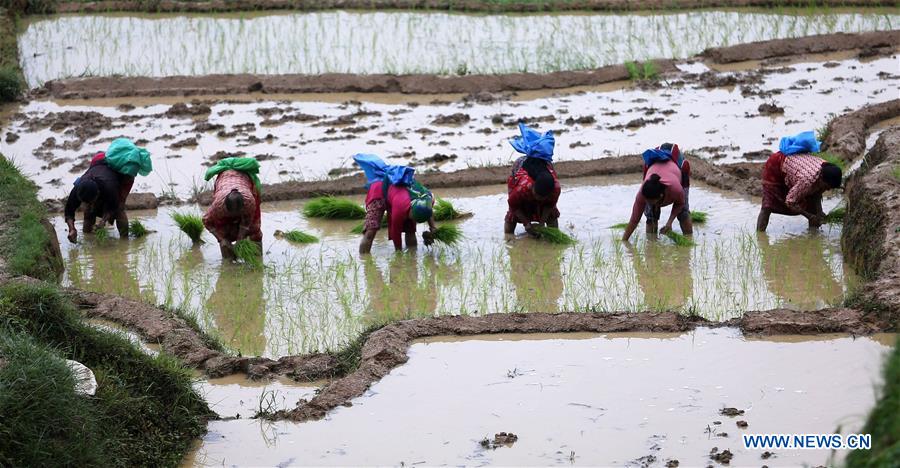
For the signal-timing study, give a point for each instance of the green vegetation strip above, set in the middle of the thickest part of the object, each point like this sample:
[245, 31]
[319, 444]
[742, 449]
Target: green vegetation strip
[145, 412]
[333, 208]
[25, 244]
[190, 224]
[12, 83]
[884, 421]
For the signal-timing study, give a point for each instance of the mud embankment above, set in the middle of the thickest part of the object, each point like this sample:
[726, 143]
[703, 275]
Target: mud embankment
[870, 240]
[108, 87]
[847, 133]
[448, 5]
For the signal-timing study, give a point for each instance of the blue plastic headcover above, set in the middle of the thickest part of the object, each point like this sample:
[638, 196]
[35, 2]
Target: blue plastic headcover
[376, 170]
[534, 145]
[801, 143]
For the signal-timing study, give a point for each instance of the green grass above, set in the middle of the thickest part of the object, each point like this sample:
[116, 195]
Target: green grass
[101, 234]
[300, 237]
[11, 85]
[137, 229]
[449, 234]
[553, 235]
[884, 421]
[145, 412]
[25, 244]
[641, 71]
[698, 217]
[445, 211]
[248, 252]
[834, 159]
[836, 215]
[680, 239]
[333, 208]
[190, 224]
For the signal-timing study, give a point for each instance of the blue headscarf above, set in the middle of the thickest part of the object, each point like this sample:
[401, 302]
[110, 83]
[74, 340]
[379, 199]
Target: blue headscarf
[533, 144]
[801, 143]
[377, 170]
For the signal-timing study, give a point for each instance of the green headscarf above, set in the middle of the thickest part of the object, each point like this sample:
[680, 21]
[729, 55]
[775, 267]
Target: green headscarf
[248, 166]
[126, 158]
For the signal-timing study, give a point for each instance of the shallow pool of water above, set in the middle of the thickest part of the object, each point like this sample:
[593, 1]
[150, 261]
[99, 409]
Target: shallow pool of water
[581, 399]
[393, 42]
[319, 296]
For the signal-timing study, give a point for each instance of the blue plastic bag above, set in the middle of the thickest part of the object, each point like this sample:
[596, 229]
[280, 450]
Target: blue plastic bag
[801, 143]
[533, 144]
[377, 170]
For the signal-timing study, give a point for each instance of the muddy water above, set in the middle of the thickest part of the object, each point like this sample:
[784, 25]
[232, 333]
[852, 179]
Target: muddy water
[318, 296]
[238, 397]
[602, 400]
[374, 42]
[721, 123]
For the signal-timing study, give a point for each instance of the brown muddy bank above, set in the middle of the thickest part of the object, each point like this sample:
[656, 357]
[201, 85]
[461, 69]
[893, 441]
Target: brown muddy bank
[847, 133]
[879, 43]
[438, 5]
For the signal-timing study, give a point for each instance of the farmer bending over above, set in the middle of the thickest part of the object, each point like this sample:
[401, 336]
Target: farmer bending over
[235, 210]
[105, 186]
[533, 187]
[393, 189]
[794, 180]
[667, 180]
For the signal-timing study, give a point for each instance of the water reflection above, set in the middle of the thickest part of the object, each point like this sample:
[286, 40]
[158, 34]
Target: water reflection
[239, 309]
[796, 270]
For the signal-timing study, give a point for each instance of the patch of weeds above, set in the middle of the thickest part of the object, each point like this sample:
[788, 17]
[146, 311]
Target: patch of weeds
[641, 71]
[11, 85]
[137, 229]
[248, 252]
[190, 224]
[836, 215]
[680, 239]
[884, 421]
[553, 235]
[210, 341]
[823, 132]
[699, 217]
[349, 356]
[299, 237]
[448, 234]
[333, 208]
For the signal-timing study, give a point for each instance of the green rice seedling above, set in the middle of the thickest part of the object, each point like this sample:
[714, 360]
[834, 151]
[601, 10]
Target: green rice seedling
[248, 252]
[189, 224]
[136, 229]
[698, 217]
[553, 235]
[649, 71]
[836, 215]
[680, 240]
[834, 159]
[445, 211]
[634, 72]
[448, 234]
[300, 237]
[619, 226]
[101, 234]
[333, 208]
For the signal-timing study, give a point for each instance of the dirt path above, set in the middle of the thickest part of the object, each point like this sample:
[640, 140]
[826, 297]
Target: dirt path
[878, 42]
[217, 6]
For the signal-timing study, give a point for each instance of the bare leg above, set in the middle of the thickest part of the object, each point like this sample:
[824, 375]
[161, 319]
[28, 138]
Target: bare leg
[411, 241]
[227, 251]
[553, 222]
[509, 227]
[90, 219]
[365, 245]
[122, 224]
[815, 206]
[762, 221]
[687, 225]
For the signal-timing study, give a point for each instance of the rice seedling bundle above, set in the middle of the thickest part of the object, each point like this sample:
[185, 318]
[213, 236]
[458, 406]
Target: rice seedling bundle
[619, 226]
[101, 234]
[680, 240]
[189, 224]
[553, 235]
[333, 208]
[136, 229]
[448, 234]
[698, 217]
[300, 237]
[445, 211]
[248, 252]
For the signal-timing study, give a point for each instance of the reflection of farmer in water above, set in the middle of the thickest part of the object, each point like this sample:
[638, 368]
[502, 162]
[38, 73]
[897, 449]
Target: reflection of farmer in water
[664, 275]
[533, 187]
[105, 187]
[535, 271]
[239, 309]
[234, 213]
[667, 181]
[794, 180]
[797, 272]
[404, 294]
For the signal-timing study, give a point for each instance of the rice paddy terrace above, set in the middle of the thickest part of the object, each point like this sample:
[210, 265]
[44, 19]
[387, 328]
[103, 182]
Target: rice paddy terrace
[496, 349]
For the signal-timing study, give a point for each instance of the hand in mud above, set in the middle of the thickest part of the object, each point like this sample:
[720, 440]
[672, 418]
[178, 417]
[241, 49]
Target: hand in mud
[428, 238]
[529, 228]
[73, 235]
[663, 230]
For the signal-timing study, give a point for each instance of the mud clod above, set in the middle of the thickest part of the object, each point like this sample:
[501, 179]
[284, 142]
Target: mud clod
[182, 110]
[724, 457]
[766, 455]
[770, 109]
[672, 463]
[732, 412]
[452, 119]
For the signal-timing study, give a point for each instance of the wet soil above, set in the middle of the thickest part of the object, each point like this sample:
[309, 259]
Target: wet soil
[217, 6]
[847, 133]
[106, 87]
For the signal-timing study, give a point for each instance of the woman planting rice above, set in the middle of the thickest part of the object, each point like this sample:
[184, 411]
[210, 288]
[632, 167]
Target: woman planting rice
[666, 182]
[105, 187]
[794, 180]
[394, 190]
[234, 214]
[533, 187]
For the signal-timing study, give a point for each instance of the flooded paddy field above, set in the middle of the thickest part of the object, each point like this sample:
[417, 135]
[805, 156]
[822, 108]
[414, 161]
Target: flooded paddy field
[731, 117]
[582, 399]
[392, 42]
[320, 296]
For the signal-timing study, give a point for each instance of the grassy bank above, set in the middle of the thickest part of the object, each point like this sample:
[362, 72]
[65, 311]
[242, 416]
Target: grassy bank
[12, 82]
[145, 411]
[25, 245]
[884, 422]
